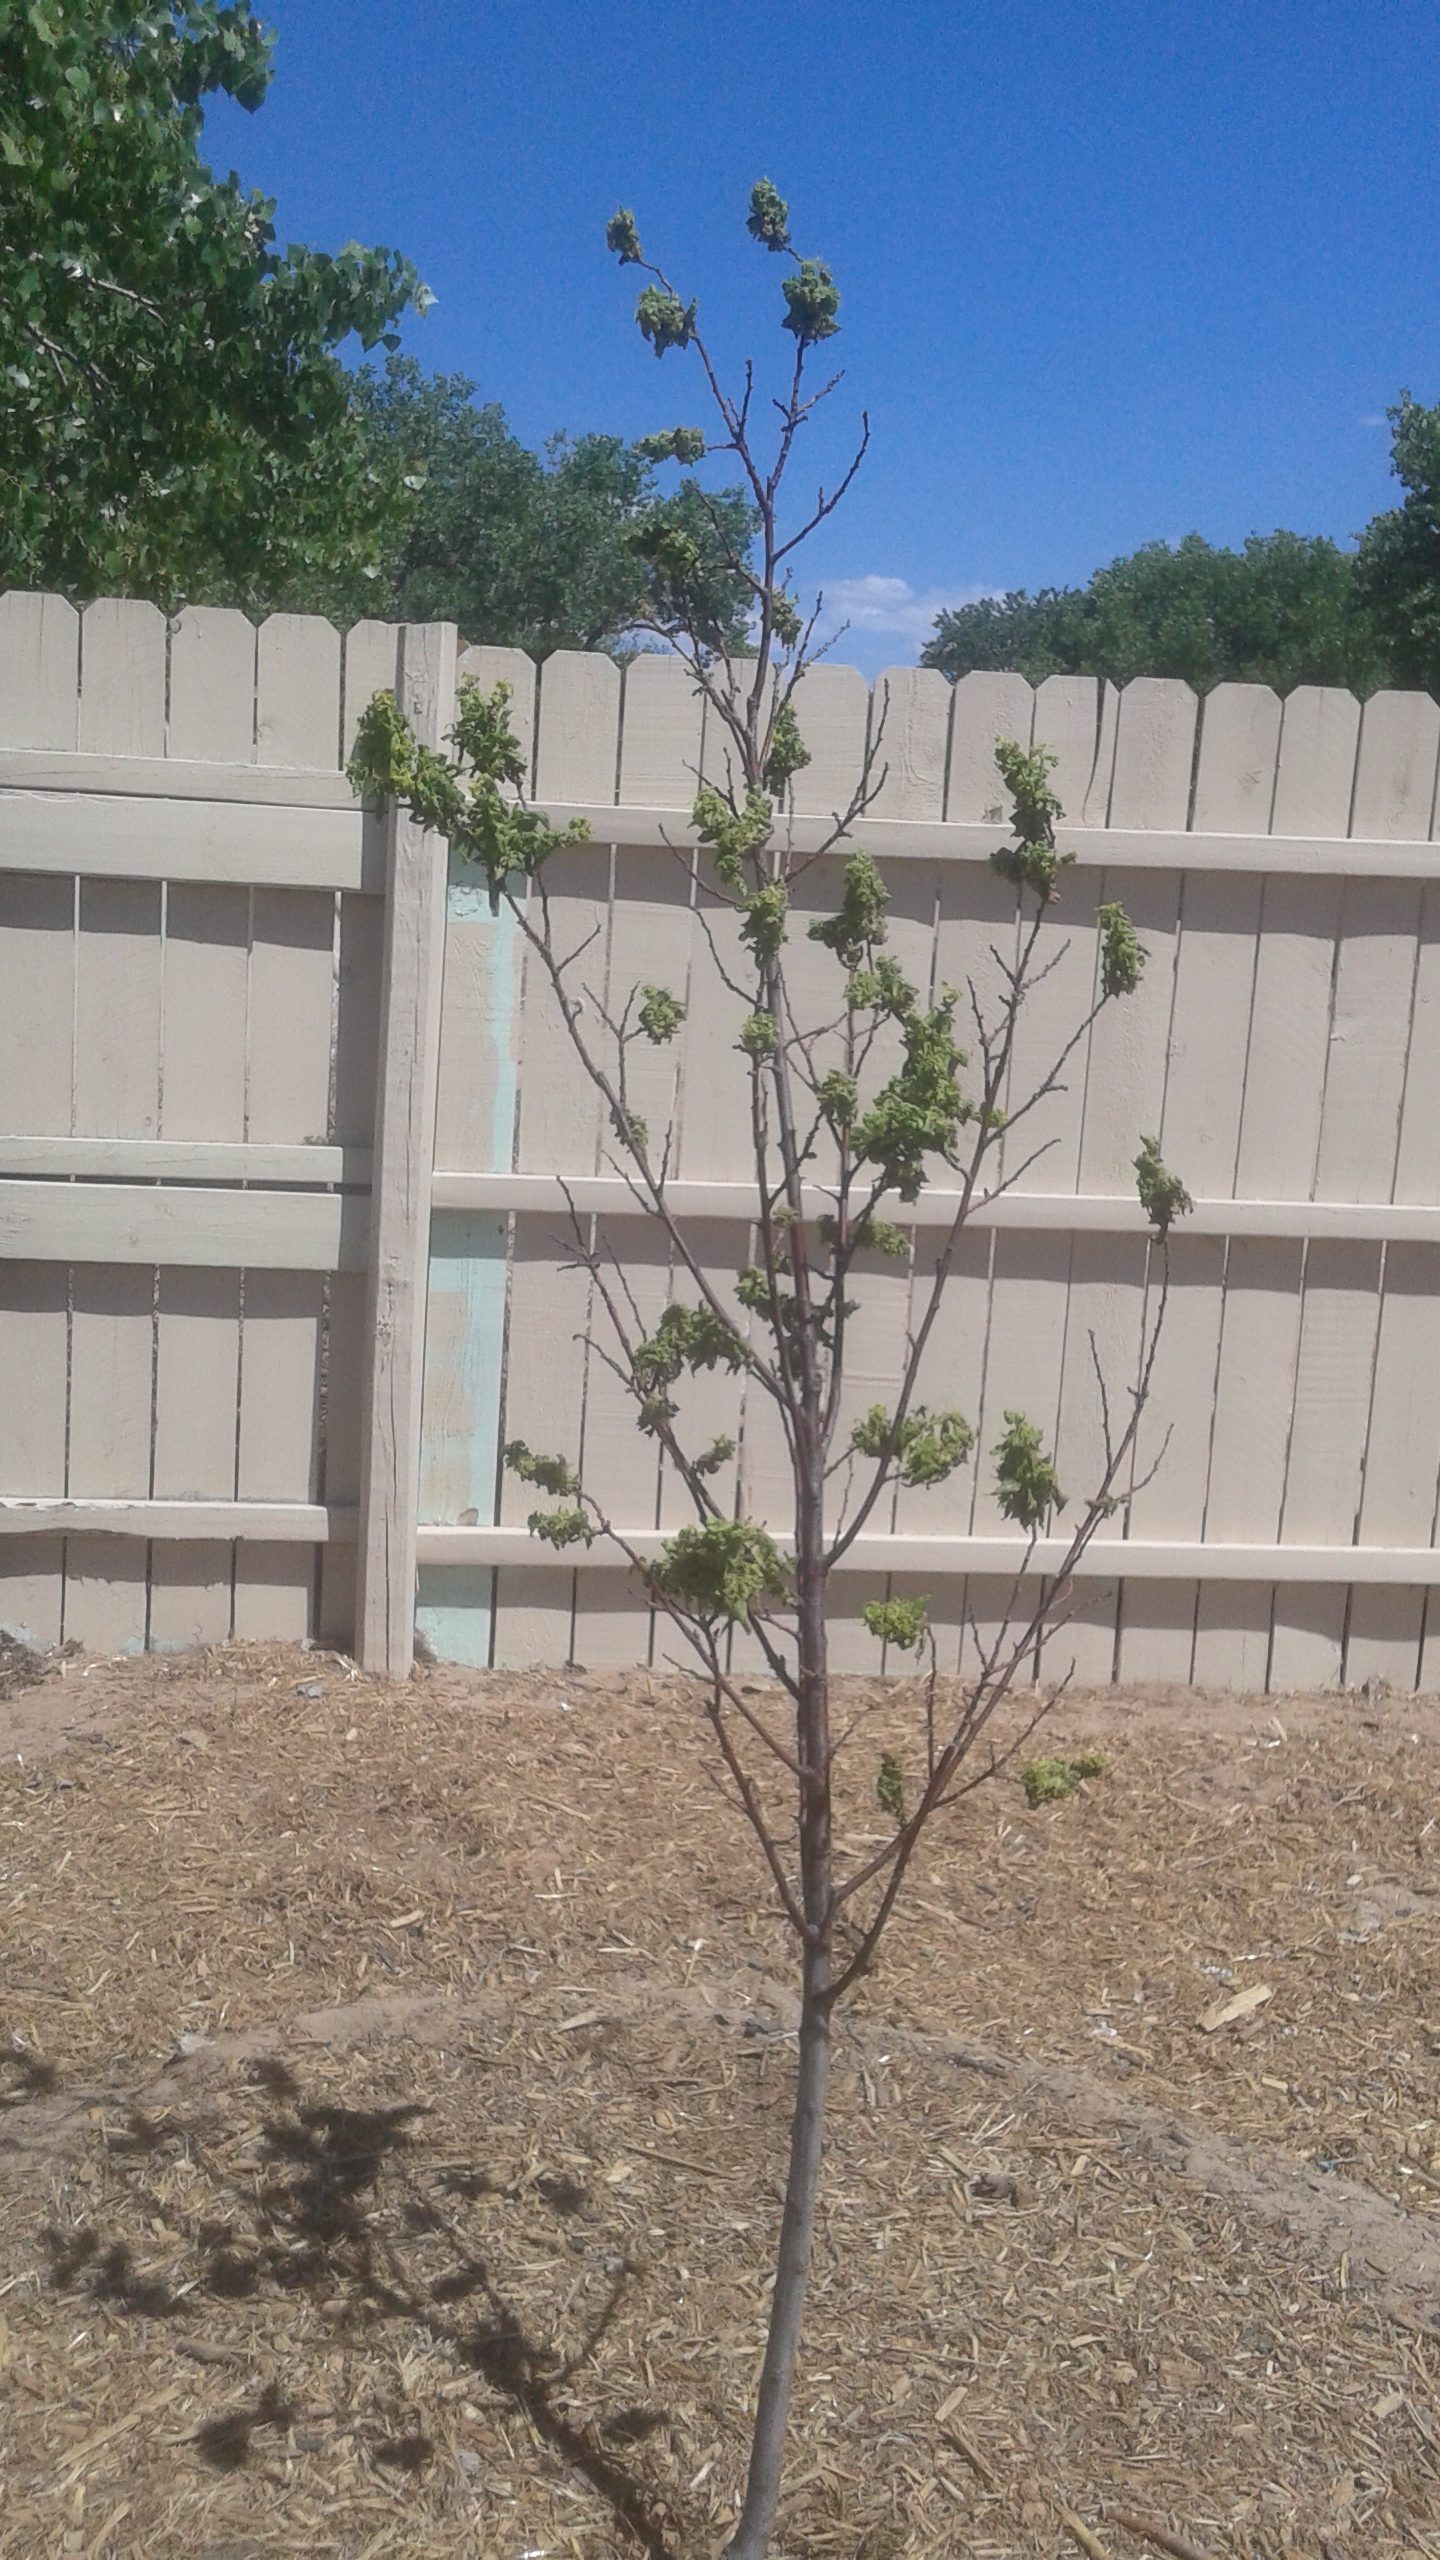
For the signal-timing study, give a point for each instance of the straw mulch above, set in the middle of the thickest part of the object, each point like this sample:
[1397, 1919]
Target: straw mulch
[393, 2095]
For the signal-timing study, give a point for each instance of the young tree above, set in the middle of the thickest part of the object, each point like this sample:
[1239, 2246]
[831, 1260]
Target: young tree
[847, 1114]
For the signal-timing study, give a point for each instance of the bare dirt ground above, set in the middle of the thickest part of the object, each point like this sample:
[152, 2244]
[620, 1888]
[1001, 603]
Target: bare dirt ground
[393, 2094]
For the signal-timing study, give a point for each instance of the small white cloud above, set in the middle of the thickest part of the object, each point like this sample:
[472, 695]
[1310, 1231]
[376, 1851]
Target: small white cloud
[1373, 418]
[891, 609]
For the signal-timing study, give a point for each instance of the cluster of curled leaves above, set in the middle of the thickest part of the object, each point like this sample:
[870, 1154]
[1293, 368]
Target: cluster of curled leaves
[470, 798]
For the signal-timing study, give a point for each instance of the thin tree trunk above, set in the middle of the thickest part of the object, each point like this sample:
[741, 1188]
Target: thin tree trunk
[751, 2540]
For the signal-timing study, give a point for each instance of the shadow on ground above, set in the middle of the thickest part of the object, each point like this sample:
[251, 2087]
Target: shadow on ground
[336, 2204]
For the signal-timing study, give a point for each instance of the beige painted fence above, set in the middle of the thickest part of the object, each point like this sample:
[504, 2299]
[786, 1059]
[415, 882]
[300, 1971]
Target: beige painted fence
[227, 998]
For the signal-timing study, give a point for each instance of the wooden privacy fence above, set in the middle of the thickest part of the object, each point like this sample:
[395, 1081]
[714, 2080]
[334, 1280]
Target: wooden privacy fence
[285, 1246]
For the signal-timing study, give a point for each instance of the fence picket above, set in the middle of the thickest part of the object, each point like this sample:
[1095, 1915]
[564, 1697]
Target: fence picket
[122, 679]
[297, 692]
[34, 1359]
[111, 1364]
[39, 671]
[212, 686]
[651, 931]
[1402, 1465]
[1125, 1077]
[197, 1393]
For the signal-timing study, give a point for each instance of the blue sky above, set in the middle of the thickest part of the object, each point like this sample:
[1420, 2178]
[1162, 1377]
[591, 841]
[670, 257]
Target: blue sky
[1110, 272]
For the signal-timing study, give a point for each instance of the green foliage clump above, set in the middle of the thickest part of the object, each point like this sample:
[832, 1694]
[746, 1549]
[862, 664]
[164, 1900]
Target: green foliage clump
[1025, 1479]
[812, 299]
[623, 238]
[785, 620]
[768, 220]
[928, 1446]
[673, 444]
[1397, 568]
[177, 421]
[552, 1475]
[562, 1528]
[664, 320]
[631, 1128]
[1032, 862]
[484, 736]
[1163, 1195]
[762, 921]
[881, 1235]
[788, 753]
[921, 1110]
[1285, 609]
[1122, 954]
[868, 1235]
[735, 838]
[757, 1036]
[711, 1460]
[782, 1307]
[838, 1096]
[1051, 1780]
[1047, 1781]
[671, 549]
[890, 1786]
[685, 1338]
[882, 987]
[660, 1014]
[550, 550]
[903, 1623]
[722, 1568]
[858, 923]
[499, 835]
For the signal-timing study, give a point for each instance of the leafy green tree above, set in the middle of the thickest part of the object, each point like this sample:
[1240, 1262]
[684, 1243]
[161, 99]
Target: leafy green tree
[1286, 609]
[856, 1105]
[174, 418]
[560, 551]
[1398, 571]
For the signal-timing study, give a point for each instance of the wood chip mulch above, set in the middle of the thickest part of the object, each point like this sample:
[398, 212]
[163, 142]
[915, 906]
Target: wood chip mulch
[393, 2100]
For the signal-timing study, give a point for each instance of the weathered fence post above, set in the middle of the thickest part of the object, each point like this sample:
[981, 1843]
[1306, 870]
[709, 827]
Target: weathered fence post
[406, 1084]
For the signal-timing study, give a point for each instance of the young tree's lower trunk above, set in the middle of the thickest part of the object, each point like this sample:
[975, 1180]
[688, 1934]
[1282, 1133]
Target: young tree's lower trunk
[751, 2539]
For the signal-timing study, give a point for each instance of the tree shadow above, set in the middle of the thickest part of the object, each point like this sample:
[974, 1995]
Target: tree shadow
[341, 2193]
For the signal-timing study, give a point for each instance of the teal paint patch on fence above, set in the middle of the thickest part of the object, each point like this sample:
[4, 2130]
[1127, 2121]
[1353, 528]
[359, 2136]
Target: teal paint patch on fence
[468, 903]
[460, 1430]
[465, 1325]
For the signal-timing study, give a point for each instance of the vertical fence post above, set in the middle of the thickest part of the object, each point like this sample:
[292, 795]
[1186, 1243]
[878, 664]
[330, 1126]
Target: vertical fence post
[404, 1152]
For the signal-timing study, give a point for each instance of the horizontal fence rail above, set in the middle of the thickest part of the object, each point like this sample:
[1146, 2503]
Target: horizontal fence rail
[264, 1145]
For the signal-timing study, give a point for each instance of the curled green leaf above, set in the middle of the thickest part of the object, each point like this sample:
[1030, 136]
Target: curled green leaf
[890, 1781]
[673, 444]
[858, 923]
[1122, 954]
[1025, 1480]
[622, 237]
[552, 1475]
[722, 1569]
[1163, 1195]
[812, 299]
[664, 320]
[787, 754]
[660, 1014]
[768, 220]
[903, 1623]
